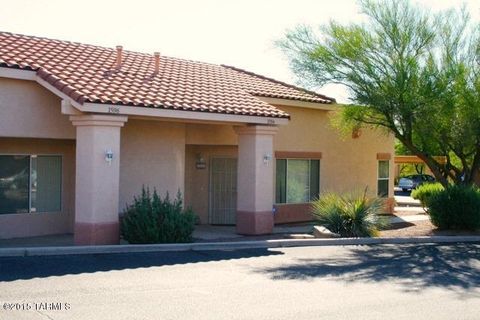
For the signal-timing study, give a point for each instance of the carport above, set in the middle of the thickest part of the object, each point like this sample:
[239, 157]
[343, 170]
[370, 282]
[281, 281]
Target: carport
[409, 159]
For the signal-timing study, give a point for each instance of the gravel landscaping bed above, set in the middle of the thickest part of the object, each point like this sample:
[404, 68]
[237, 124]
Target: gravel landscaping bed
[421, 228]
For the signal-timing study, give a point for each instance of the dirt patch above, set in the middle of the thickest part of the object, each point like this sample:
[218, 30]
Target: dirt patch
[409, 229]
[422, 228]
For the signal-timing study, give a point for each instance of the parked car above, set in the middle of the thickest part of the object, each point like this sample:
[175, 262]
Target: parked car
[413, 181]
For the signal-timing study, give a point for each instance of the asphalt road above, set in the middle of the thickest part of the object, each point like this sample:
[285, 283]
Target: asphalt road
[351, 282]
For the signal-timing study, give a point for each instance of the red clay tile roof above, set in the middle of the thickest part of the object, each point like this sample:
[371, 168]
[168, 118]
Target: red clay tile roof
[87, 73]
[262, 86]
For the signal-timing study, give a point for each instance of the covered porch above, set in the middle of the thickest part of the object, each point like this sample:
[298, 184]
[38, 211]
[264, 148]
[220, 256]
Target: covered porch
[106, 159]
[94, 158]
[104, 180]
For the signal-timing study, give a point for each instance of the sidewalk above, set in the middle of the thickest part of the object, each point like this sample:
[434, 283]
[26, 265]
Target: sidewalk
[202, 233]
[60, 240]
[263, 244]
[220, 238]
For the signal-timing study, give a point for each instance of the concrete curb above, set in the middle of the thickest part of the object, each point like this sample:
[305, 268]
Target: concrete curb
[263, 244]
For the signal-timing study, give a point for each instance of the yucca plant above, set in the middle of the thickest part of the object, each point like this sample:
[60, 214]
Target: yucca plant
[351, 214]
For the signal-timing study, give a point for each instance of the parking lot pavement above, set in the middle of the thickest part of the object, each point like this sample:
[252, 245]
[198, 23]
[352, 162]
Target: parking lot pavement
[342, 282]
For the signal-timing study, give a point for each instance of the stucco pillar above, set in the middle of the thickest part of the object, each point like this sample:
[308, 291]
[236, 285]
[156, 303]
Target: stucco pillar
[97, 179]
[255, 179]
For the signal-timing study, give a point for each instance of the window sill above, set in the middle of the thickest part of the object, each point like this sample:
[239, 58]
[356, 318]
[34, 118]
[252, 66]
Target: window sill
[30, 213]
[292, 204]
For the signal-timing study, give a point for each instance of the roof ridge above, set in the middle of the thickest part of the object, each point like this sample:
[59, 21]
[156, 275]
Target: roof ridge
[105, 47]
[50, 39]
[279, 82]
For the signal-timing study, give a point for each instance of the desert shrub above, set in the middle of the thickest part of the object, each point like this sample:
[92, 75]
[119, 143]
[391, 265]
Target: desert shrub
[456, 207]
[151, 219]
[350, 215]
[425, 191]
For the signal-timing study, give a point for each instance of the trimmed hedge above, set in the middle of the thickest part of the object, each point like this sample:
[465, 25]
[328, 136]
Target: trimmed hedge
[456, 207]
[151, 219]
[425, 191]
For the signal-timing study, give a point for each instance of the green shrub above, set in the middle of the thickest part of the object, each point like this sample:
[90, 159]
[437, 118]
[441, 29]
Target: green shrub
[350, 215]
[426, 191]
[456, 207]
[151, 219]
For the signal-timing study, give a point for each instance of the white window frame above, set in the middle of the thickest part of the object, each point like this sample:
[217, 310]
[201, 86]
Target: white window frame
[383, 179]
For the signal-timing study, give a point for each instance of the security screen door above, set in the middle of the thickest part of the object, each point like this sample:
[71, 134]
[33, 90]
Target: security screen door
[223, 191]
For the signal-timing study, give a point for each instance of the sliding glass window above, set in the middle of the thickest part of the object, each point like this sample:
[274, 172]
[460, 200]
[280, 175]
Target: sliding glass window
[30, 183]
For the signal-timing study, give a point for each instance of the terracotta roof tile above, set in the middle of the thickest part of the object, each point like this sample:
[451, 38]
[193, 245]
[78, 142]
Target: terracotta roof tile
[88, 73]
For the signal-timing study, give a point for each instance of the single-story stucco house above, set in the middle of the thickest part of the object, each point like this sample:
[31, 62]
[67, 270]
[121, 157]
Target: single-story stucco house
[83, 128]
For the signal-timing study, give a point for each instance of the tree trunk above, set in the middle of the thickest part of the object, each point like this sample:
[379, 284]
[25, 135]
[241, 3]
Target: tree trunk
[475, 178]
[431, 163]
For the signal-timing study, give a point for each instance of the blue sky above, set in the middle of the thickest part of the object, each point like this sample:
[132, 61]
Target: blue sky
[239, 33]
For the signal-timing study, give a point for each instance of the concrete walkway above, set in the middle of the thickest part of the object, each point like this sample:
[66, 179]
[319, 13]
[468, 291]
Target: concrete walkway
[61, 240]
[220, 239]
[418, 210]
[202, 233]
[406, 204]
[407, 201]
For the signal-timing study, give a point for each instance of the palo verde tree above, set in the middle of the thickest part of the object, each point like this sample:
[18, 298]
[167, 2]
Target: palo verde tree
[410, 71]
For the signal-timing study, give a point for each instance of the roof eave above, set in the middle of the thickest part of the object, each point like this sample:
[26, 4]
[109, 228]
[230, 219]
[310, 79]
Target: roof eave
[299, 103]
[17, 73]
[181, 114]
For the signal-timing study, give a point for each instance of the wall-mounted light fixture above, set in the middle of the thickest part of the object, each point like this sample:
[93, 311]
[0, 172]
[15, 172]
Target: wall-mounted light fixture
[356, 132]
[109, 156]
[200, 162]
[267, 158]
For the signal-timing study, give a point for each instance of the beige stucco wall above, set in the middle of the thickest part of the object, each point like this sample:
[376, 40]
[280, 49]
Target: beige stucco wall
[346, 163]
[29, 110]
[197, 180]
[42, 223]
[31, 123]
[162, 154]
[153, 155]
[208, 134]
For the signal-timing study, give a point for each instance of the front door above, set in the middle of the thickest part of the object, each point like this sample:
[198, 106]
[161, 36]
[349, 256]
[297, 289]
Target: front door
[223, 191]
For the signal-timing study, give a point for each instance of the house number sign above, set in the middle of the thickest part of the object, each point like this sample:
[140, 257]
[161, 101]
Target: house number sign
[113, 110]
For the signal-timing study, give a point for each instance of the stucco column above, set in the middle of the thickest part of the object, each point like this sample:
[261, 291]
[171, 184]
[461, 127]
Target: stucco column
[97, 179]
[255, 179]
